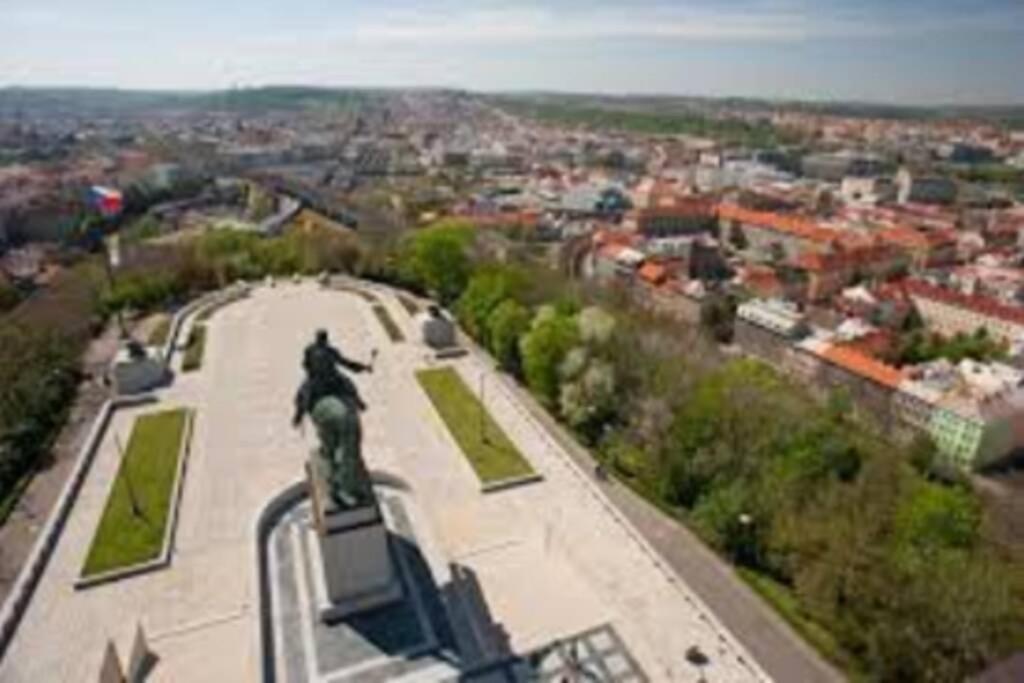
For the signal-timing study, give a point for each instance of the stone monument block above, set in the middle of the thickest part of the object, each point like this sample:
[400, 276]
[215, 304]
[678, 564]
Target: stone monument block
[354, 552]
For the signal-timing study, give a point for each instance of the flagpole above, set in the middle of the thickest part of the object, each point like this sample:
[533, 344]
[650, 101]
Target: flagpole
[109, 203]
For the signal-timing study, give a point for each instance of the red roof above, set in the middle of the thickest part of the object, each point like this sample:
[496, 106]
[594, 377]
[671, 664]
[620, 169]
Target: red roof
[839, 260]
[681, 207]
[910, 238]
[794, 225]
[625, 239]
[654, 273]
[863, 365]
[973, 302]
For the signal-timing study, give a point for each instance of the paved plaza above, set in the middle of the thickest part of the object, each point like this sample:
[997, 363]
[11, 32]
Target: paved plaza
[562, 579]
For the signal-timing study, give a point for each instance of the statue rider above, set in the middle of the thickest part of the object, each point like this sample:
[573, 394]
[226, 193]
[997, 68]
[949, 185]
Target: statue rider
[332, 401]
[320, 360]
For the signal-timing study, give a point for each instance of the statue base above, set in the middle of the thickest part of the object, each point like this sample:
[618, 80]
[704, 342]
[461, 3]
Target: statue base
[353, 549]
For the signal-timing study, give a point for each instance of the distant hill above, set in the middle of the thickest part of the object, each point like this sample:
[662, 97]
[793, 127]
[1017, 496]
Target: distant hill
[109, 101]
[114, 102]
[1010, 115]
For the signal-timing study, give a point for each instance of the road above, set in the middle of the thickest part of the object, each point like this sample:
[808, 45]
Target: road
[780, 651]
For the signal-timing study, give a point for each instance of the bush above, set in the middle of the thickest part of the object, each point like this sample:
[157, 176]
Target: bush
[436, 260]
[485, 291]
[41, 342]
[9, 296]
[506, 324]
[142, 292]
[543, 349]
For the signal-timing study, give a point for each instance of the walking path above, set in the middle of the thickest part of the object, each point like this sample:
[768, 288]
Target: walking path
[552, 559]
[781, 652]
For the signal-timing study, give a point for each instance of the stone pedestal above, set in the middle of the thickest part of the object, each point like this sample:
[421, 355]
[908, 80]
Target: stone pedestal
[352, 548]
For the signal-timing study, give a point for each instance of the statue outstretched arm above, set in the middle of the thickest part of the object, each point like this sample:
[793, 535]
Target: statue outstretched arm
[348, 363]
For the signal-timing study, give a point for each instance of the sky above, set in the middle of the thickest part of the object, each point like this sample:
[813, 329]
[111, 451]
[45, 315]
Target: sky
[899, 51]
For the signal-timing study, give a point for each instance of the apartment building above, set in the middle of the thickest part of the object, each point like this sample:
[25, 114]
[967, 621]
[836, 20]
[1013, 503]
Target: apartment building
[950, 312]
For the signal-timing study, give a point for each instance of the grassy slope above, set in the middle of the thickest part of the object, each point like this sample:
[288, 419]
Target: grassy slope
[491, 454]
[151, 460]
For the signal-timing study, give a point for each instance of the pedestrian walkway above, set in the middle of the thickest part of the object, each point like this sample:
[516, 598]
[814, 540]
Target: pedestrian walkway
[781, 652]
[551, 560]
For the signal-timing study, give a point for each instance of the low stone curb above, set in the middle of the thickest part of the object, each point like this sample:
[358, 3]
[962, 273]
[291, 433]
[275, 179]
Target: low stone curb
[164, 558]
[287, 498]
[511, 482]
[218, 298]
[28, 578]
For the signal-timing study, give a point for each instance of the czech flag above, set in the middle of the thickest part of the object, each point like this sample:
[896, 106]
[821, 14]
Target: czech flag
[107, 201]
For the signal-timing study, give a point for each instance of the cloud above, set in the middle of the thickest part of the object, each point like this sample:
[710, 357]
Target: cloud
[762, 21]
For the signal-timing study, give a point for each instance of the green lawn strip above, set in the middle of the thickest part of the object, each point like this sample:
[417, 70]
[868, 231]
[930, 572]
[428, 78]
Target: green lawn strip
[781, 598]
[193, 359]
[392, 328]
[158, 335]
[410, 306]
[492, 455]
[361, 293]
[150, 463]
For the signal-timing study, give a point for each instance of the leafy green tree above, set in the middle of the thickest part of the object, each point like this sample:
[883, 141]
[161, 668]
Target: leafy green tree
[587, 400]
[436, 259]
[9, 296]
[506, 324]
[486, 290]
[543, 349]
[935, 516]
[596, 326]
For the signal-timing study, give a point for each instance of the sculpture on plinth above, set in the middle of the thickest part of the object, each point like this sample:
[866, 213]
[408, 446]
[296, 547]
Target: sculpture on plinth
[353, 548]
[333, 403]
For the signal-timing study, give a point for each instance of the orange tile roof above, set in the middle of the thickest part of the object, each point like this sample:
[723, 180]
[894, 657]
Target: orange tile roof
[862, 365]
[654, 273]
[625, 239]
[910, 238]
[798, 226]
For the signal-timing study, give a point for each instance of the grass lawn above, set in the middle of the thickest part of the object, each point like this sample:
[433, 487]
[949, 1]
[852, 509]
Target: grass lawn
[393, 330]
[492, 455]
[158, 335]
[193, 359]
[124, 538]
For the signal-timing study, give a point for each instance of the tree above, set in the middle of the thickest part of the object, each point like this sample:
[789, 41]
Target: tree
[543, 349]
[596, 326]
[587, 400]
[9, 296]
[437, 260]
[486, 290]
[506, 324]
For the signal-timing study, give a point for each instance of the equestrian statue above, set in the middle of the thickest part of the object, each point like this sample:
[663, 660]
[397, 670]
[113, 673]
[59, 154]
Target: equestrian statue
[332, 401]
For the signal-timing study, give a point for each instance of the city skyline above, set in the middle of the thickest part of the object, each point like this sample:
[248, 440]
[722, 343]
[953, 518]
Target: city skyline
[933, 52]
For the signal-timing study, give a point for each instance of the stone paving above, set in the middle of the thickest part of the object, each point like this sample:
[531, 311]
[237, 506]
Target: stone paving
[551, 559]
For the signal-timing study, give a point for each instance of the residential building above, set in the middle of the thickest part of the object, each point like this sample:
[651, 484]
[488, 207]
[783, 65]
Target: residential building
[924, 189]
[950, 312]
[834, 167]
